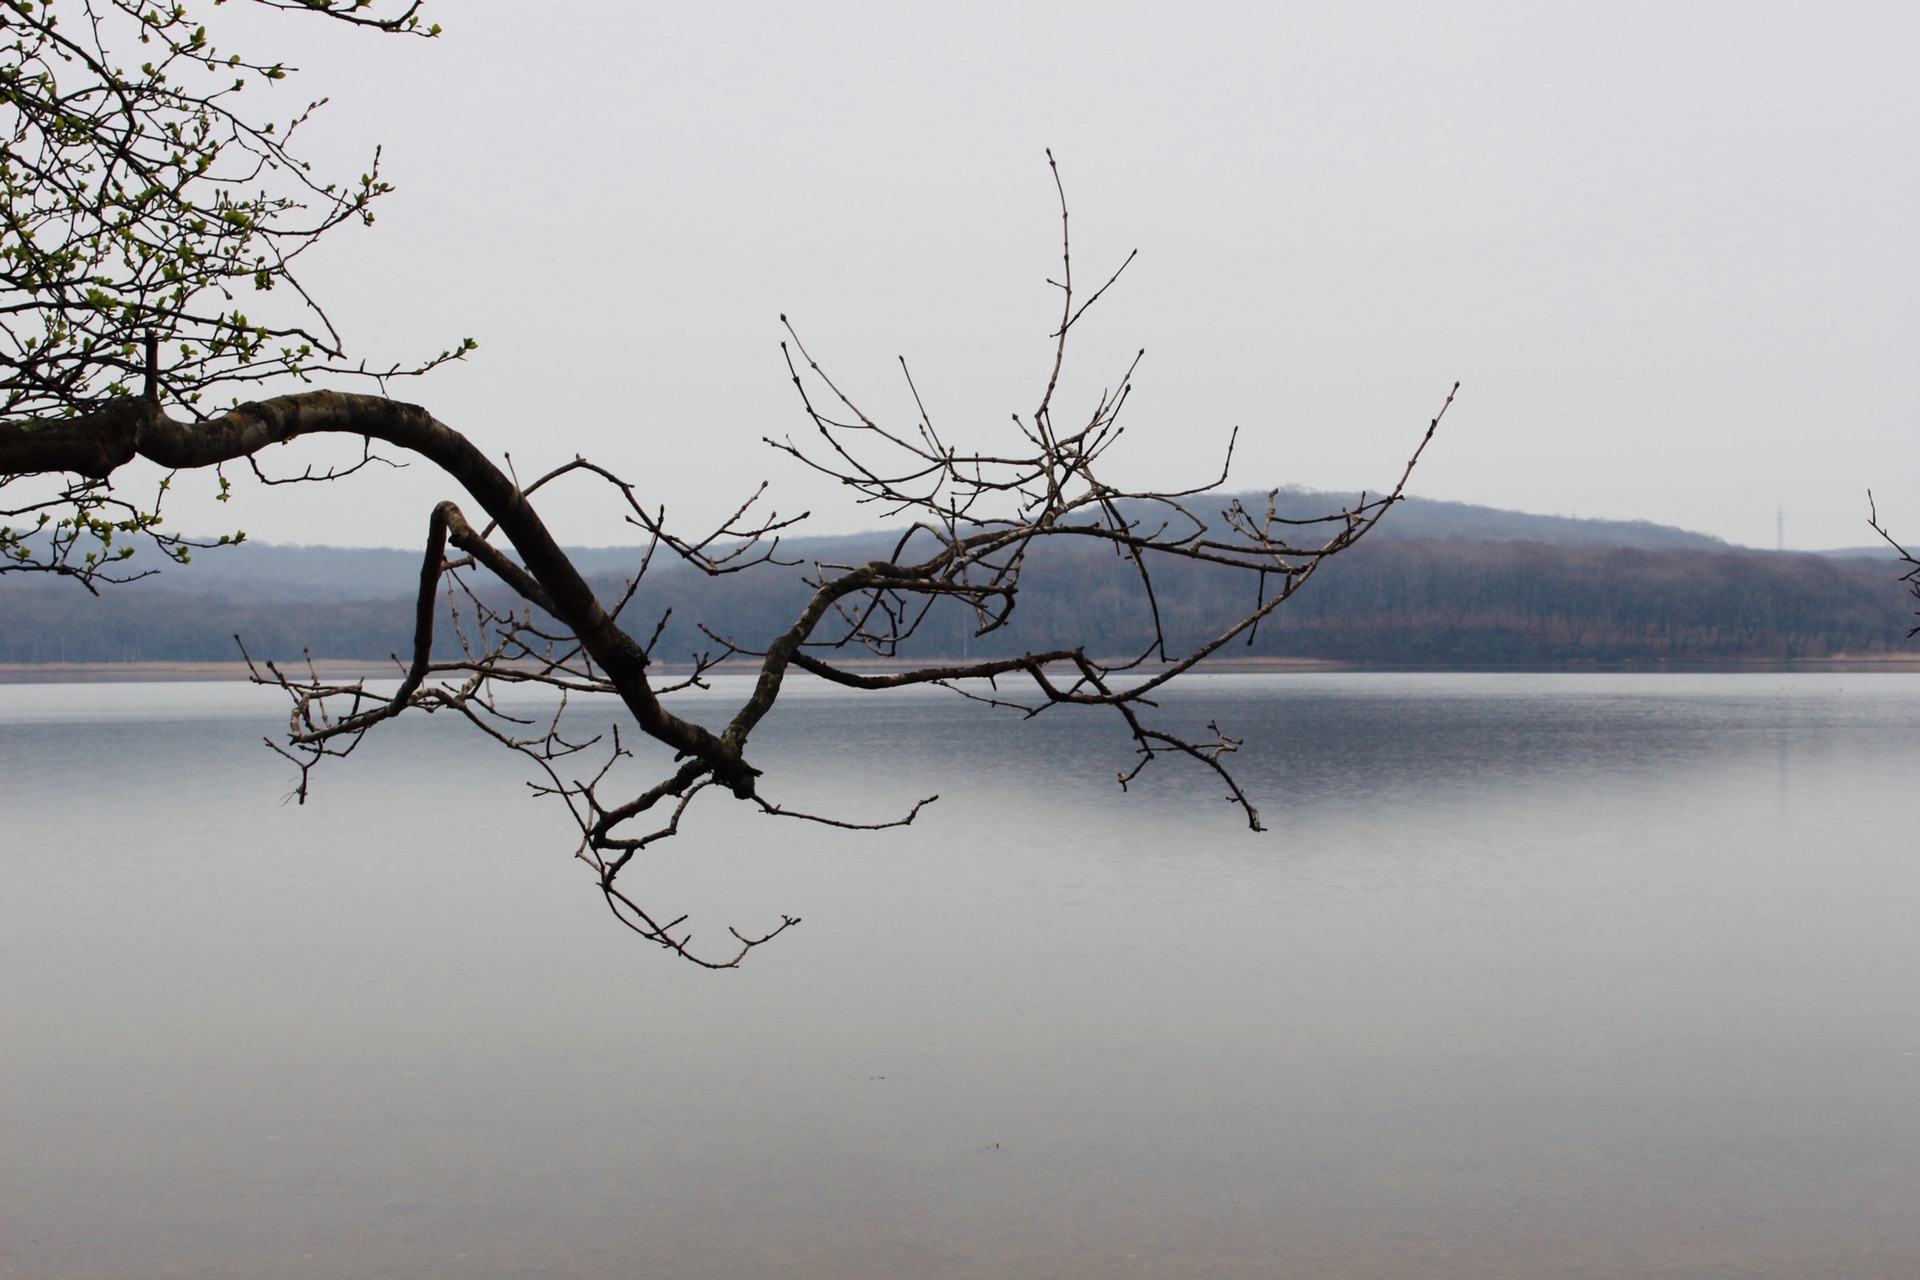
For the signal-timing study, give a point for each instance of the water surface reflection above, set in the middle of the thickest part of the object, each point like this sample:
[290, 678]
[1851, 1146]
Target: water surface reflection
[1536, 976]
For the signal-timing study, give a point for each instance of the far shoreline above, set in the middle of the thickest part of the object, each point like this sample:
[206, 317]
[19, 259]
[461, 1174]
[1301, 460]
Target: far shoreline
[350, 669]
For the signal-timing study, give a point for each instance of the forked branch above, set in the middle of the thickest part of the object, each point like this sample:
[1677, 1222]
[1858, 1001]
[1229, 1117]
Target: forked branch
[501, 610]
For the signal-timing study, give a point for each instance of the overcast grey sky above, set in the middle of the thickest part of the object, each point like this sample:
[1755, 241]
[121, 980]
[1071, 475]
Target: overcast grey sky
[1669, 249]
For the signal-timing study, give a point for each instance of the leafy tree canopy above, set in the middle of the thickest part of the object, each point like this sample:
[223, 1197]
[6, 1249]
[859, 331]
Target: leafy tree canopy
[155, 213]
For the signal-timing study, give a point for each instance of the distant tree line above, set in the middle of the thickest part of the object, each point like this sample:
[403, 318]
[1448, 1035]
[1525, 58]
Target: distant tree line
[1410, 601]
[1512, 602]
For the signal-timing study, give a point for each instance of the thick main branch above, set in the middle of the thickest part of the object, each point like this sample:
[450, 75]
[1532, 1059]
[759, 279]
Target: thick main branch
[97, 444]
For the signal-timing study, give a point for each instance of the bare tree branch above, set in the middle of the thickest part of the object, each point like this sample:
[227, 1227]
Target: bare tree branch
[1912, 576]
[511, 612]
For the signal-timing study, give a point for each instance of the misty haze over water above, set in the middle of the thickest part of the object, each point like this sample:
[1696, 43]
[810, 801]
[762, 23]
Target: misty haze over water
[1536, 976]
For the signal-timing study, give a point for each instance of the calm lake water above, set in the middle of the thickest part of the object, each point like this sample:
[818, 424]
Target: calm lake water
[1536, 976]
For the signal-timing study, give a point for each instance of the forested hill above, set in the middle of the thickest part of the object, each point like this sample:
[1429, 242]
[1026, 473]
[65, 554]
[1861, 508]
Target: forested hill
[1438, 583]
